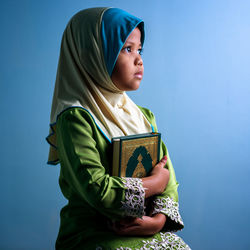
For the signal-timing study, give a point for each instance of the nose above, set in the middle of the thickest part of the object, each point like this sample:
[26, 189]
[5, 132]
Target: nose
[138, 60]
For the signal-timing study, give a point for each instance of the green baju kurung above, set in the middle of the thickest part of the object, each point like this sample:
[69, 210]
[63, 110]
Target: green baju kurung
[95, 197]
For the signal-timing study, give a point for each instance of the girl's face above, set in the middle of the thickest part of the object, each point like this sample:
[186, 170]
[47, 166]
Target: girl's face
[128, 70]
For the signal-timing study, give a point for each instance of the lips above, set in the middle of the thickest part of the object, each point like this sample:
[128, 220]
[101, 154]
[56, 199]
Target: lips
[139, 74]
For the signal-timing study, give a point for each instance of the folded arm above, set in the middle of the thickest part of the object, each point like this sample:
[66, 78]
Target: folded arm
[87, 178]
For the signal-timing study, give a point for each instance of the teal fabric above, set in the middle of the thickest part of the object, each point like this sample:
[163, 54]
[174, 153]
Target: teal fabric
[117, 24]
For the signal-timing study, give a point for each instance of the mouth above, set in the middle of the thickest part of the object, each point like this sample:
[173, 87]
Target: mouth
[138, 74]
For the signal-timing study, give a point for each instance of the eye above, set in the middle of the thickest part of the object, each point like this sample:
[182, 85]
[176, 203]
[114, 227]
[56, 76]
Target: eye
[140, 51]
[127, 49]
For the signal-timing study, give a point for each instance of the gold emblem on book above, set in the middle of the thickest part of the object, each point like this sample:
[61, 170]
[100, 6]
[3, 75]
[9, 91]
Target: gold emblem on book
[139, 170]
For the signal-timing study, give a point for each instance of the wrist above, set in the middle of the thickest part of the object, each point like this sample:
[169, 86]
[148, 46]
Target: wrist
[160, 220]
[151, 186]
[160, 183]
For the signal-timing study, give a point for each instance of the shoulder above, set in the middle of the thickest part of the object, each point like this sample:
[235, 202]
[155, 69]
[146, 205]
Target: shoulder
[77, 116]
[149, 116]
[75, 113]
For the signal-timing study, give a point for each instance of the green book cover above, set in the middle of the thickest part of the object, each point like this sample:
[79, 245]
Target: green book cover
[135, 155]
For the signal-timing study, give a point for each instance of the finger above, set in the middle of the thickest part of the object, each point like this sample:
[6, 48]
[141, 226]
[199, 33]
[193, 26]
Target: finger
[127, 221]
[163, 161]
[129, 226]
[133, 230]
[135, 222]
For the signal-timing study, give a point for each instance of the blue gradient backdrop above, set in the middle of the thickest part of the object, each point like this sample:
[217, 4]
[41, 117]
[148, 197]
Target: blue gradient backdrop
[197, 82]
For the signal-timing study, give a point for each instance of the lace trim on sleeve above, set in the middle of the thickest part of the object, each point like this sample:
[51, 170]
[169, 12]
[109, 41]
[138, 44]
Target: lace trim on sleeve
[166, 241]
[134, 197]
[168, 207]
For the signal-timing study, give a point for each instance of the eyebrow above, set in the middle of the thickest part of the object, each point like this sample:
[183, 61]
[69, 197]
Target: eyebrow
[131, 43]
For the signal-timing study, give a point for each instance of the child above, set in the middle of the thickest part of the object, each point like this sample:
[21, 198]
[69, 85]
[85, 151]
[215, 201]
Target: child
[100, 59]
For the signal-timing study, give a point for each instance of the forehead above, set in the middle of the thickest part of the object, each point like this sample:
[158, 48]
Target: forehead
[135, 36]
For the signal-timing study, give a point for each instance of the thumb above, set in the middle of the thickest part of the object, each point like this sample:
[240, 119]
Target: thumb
[163, 161]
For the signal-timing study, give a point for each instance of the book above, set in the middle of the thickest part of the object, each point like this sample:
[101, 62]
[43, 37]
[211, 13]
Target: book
[135, 155]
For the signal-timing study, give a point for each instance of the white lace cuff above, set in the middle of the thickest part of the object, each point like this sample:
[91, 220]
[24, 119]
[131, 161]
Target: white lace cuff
[168, 207]
[167, 241]
[134, 197]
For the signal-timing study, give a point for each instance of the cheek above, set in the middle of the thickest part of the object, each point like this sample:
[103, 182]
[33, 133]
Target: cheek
[117, 76]
[120, 71]
[123, 63]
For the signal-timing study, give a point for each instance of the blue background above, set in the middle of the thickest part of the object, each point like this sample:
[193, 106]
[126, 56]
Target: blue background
[197, 82]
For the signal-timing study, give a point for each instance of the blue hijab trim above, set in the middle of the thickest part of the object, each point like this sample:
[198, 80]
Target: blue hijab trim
[117, 25]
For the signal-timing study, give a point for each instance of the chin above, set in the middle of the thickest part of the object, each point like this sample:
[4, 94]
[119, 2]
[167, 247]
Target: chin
[135, 85]
[128, 86]
[133, 88]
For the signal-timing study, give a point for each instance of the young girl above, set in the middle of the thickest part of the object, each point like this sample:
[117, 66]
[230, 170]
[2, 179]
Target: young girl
[100, 59]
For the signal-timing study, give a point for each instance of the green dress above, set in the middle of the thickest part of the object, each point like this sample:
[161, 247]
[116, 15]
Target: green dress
[94, 197]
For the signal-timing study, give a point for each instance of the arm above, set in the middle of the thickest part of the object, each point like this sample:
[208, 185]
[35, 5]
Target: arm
[156, 183]
[165, 213]
[167, 202]
[83, 172]
[145, 226]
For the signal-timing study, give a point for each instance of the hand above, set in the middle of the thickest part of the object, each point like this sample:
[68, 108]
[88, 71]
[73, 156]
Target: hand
[161, 173]
[140, 227]
[157, 181]
[159, 168]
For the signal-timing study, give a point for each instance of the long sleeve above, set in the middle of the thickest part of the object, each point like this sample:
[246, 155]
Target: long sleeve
[167, 202]
[82, 157]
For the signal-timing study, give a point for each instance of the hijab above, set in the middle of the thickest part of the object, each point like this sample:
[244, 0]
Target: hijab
[90, 46]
